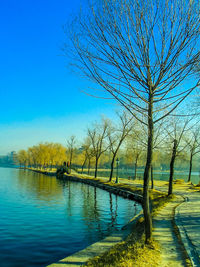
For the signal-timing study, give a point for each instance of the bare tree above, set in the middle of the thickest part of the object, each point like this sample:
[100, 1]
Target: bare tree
[176, 130]
[135, 151]
[71, 146]
[135, 146]
[141, 53]
[98, 135]
[85, 148]
[88, 153]
[194, 146]
[90, 156]
[117, 136]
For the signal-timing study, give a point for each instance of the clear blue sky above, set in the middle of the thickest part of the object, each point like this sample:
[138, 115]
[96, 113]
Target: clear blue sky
[41, 99]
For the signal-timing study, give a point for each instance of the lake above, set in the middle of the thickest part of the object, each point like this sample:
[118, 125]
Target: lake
[43, 219]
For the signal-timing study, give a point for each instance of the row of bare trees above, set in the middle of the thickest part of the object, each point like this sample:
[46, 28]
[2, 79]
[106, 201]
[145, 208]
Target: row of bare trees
[106, 136]
[177, 138]
[144, 55]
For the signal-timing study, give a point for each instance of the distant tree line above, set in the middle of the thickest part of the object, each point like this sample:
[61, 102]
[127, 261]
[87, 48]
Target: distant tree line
[45, 155]
[176, 147]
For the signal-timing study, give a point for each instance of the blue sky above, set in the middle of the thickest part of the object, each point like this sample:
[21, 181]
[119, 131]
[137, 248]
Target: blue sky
[41, 100]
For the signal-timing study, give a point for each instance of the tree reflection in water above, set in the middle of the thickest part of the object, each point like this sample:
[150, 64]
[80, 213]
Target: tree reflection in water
[46, 219]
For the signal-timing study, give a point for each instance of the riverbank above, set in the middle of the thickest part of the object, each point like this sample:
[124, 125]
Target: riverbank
[130, 251]
[160, 175]
[169, 247]
[124, 188]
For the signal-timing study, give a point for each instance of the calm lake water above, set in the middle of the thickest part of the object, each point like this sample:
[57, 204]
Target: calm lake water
[43, 220]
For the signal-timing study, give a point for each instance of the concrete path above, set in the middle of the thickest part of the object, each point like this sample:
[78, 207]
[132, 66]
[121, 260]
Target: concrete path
[187, 218]
[163, 233]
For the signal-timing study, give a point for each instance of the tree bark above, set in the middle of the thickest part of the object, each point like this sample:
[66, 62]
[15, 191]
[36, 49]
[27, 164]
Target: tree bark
[190, 170]
[96, 167]
[112, 167]
[170, 189]
[135, 173]
[83, 165]
[152, 184]
[71, 156]
[88, 166]
[146, 208]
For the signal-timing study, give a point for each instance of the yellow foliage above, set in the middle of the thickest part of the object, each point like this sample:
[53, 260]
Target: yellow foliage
[47, 154]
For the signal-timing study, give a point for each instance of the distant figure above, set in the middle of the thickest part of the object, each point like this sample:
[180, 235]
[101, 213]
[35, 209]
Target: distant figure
[65, 168]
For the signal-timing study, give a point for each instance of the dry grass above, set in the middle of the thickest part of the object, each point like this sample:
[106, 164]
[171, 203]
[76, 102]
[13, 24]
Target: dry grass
[179, 181]
[131, 252]
[196, 187]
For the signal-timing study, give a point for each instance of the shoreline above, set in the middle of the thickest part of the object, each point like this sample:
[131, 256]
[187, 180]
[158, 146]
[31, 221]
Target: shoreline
[100, 252]
[108, 242]
[96, 182]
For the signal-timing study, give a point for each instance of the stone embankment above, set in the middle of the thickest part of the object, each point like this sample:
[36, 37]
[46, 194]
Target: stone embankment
[91, 181]
[117, 191]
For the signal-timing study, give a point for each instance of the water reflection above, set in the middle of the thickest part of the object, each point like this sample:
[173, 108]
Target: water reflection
[44, 219]
[51, 191]
[43, 188]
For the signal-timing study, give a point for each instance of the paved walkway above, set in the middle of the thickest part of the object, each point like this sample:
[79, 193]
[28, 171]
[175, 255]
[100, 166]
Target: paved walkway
[163, 233]
[187, 218]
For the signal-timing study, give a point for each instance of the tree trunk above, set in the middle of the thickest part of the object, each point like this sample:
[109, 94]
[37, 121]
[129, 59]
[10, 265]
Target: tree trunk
[96, 167]
[135, 174]
[146, 208]
[190, 170]
[170, 189]
[71, 156]
[112, 167]
[83, 165]
[88, 166]
[152, 185]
